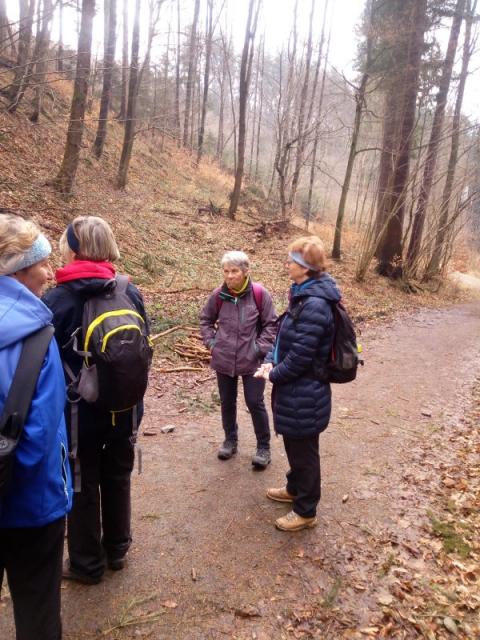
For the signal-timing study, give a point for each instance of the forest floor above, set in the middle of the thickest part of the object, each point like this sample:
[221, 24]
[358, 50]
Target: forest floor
[396, 552]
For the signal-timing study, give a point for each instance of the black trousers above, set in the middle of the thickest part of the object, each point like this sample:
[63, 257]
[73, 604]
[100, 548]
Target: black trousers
[303, 479]
[253, 390]
[32, 560]
[99, 523]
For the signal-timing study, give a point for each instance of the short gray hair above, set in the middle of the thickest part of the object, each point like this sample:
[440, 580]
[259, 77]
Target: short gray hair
[238, 258]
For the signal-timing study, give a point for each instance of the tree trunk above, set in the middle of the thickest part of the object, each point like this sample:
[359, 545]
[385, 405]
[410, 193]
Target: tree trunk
[431, 159]
[60, 37]
[393, 187]
[124, 88]
[206, 77]
[190, 78]
[177, 79]
[132, 103]
[23, 67]
[221, 109]
[301, 114]
[110, 26]
[442, 228]
[244, 82]
[41, 66]
[260, 110]
[317, 129]
[66, 176]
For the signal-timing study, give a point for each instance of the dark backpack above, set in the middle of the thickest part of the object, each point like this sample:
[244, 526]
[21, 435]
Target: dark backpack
[344, 359]
[19, 399]
[116, 351]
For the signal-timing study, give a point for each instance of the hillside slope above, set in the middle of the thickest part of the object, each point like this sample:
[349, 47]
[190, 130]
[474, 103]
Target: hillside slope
[170, 249]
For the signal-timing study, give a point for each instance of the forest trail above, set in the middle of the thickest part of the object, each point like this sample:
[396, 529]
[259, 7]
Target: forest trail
[207, 563]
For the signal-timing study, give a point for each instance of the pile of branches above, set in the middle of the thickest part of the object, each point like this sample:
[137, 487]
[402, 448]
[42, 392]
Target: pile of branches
[189, 348]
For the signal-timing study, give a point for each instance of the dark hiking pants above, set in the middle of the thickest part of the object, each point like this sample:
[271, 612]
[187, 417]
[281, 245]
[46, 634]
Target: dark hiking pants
[253, 390]
[32, 559]
[303, 479]
[99, 522]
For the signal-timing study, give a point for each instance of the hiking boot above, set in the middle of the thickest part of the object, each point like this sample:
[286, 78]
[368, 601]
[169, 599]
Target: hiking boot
[227, 450]
[280, 495]
[70, 574]
[293, 522]
[116, 564]
[262, 458]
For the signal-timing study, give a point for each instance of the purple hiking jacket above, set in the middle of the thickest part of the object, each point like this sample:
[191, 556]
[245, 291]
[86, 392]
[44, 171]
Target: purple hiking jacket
[238, 335]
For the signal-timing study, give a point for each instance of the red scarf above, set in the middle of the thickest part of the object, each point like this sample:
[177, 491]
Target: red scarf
[79, 269]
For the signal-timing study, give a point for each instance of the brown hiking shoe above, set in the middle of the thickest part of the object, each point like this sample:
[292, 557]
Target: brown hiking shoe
[280, 495]
[293, 522]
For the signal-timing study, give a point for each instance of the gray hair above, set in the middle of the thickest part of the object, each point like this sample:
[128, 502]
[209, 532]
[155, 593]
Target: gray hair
[21, 243]
[237, 258]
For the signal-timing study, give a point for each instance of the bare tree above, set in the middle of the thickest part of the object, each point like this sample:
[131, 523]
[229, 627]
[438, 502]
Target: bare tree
[122, 115]
[190, 78]
[301, 111]
[244, 84]
[177, 78]
[206, 76]
[23, 67]
[438, 118]
[399, 123]
[110, 25]
[60, 37]
[360, 93]
[442, 227]
[66, 176]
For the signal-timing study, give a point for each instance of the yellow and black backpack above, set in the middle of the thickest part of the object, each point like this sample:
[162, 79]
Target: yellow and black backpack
[116, 351]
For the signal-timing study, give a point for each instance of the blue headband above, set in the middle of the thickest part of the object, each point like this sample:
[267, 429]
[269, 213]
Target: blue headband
[72, 240]
[299, 259]
[39, 250]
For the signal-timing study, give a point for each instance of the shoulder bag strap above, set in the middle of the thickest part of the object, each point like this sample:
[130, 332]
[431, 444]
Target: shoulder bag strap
[20, 394]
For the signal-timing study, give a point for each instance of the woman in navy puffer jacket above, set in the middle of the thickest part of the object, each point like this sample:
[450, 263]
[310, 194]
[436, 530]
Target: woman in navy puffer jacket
[302, 404]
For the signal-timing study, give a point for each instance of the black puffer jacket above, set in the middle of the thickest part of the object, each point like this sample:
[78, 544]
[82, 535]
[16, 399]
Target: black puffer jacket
[302, 404]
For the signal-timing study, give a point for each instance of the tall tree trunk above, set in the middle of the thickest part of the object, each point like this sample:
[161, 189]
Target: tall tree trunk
[66, 176]
[390, 248]
[41, 67]
[316, 135]
[133, 87]
[23, 67]
[110, 26]
[206, 77]
[260, 109]
[124, 88]
[60, 37]
[301, 114]
[177, 79]
[442, 227]
[221, 108]
[360, 102]
[431, 159]
[190, 75]
[244, 82]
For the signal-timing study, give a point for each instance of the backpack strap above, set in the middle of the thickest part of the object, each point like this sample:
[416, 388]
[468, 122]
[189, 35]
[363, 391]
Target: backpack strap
[122, 283]
[20, 394]
[257, 290]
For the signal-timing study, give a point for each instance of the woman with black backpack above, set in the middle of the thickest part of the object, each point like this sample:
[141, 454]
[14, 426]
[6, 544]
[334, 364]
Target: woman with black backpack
[99, 531]
[301, 403]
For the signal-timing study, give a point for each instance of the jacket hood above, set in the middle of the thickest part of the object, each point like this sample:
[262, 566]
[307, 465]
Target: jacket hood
[21, 312]
[325, 287]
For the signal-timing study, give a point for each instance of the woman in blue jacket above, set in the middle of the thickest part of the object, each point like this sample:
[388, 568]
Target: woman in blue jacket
[301, 403]
[32, 514]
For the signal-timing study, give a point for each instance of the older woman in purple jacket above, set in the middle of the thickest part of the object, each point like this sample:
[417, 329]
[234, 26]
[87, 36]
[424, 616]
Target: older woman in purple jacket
[238, 326]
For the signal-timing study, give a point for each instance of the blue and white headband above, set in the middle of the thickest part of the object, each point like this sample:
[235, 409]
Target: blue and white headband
[299, 259]
[39, 250]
